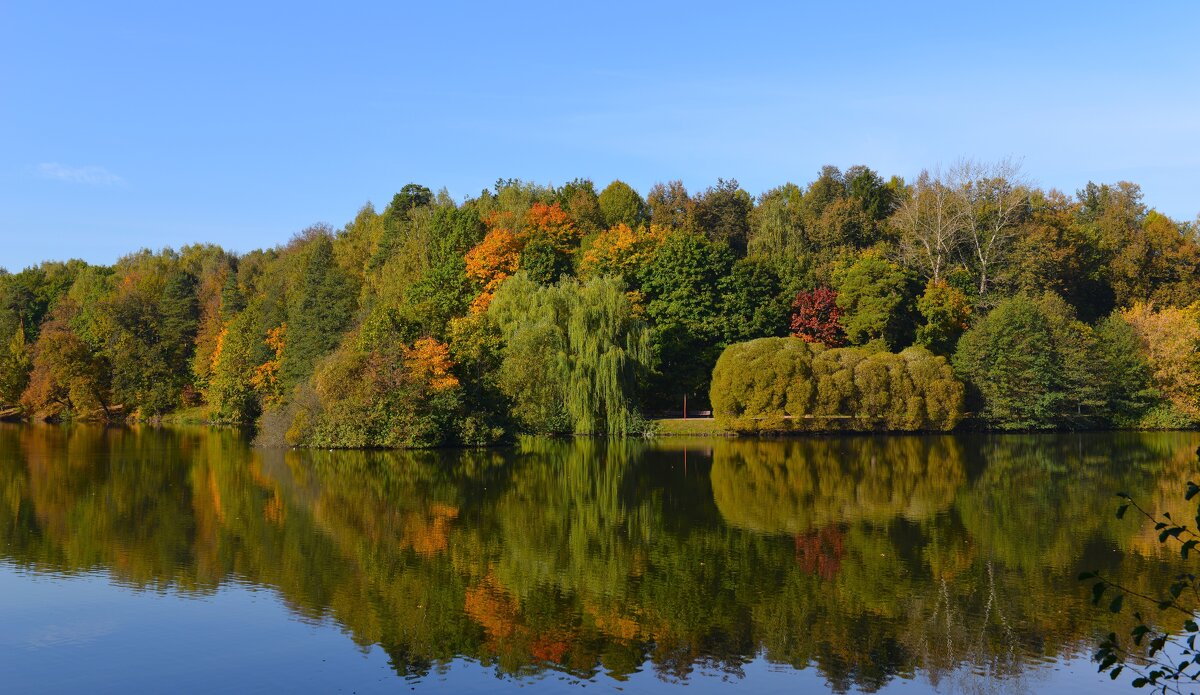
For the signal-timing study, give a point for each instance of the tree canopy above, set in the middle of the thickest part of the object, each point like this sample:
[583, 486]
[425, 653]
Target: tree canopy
[1056, 310]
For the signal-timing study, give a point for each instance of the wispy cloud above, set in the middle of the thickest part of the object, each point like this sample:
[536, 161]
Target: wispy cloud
[90, 175]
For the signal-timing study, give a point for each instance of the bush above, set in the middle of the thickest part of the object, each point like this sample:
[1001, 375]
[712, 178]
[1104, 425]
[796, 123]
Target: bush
[789, 385]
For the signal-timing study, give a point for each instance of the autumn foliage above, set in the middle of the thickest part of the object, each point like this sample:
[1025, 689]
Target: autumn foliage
[817, 319]
[491, 262]
[498, 256]
[1170, 338]
[429, 360]
[552, 223]
[621, 250]
[265, 379]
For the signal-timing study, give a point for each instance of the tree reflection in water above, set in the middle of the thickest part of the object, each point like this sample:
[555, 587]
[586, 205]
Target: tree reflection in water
[868, 558]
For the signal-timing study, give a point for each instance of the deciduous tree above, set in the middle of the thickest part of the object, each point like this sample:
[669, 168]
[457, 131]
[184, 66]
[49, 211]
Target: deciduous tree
[817, 319]
[621, 204]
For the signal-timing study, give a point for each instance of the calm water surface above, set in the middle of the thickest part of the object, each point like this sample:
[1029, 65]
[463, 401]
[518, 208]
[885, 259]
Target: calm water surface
[184, 560]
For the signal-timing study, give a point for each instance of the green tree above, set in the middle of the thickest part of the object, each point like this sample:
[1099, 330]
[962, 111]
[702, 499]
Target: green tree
[945, 310]
[1126, 378]
[753, 302]
[682, 285]
[669, 205]
[149, 321]
[320, 305]
[574, 354]
[70, 377]
[620, 204]
[15, 365]
[1054, 252]
[412, 195]
[722, 213]
[777, 224]
[1032, 365]
[875, 296]
[579, 199]
[240, 349]
[378, 392]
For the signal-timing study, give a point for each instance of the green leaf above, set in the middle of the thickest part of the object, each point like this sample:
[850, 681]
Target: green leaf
[1097, 592]
[1084, 576]
[1190, 626]
[1139, 682]
[1192, 490]
[1187, 547]
[1115, 672]
[1121, 511]
[1115, 606]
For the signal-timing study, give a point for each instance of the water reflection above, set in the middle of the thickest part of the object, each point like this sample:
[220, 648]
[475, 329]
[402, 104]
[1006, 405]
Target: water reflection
[870, 559]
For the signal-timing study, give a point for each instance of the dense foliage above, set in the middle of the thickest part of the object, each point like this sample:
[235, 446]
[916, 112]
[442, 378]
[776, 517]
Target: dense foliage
[790, 385]
[1055, 310]
[573, 354]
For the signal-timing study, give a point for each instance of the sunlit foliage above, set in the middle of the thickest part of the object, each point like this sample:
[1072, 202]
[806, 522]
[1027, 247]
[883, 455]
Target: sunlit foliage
[936, 262]
[786, 384]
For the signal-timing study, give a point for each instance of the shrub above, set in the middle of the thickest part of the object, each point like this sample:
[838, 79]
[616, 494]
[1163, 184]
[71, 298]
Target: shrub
[789, 385]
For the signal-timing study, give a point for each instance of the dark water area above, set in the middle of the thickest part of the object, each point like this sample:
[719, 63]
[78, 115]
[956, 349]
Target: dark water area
[185, 560]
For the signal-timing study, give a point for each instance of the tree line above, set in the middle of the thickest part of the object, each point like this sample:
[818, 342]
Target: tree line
[564, 309]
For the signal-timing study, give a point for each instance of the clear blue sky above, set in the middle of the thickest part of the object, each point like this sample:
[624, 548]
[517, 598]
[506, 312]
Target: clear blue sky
[127, 125]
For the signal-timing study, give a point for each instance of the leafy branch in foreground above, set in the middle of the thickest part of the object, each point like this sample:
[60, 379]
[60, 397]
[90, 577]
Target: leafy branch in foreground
[1164, 660]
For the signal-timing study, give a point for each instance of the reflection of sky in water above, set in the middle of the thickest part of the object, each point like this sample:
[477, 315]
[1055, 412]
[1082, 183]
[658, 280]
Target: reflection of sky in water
[199, 565]
[86, 634]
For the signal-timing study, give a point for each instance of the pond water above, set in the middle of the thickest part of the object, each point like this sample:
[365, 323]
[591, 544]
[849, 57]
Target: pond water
[185, 560]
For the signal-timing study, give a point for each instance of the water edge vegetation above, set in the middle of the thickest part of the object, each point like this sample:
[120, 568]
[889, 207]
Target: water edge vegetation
[560, 309]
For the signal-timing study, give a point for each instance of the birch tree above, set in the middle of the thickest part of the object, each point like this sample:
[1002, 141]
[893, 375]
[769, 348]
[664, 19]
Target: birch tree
[993, 201]
[931, 224]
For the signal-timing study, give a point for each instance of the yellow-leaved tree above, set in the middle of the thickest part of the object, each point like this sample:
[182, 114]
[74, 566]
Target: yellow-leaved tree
[1170, 338]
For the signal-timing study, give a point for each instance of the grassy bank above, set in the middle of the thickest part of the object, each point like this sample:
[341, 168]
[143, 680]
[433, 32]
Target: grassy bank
[691, 427]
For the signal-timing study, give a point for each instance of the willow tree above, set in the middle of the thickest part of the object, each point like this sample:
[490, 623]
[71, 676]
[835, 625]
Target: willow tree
[573, 354]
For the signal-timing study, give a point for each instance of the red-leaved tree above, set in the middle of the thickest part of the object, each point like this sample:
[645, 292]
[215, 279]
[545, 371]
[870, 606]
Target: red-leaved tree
[817, 318]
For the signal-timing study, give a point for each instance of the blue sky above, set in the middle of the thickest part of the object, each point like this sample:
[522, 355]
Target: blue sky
[128, 125]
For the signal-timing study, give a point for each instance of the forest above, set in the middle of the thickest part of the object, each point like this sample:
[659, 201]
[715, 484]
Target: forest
[563, 309]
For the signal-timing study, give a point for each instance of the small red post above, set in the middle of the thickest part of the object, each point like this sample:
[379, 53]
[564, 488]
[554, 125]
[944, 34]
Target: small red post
[685, 406]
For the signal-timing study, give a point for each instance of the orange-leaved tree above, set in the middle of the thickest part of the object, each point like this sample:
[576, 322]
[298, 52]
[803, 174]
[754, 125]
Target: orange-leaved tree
[552, 223]
[546, 228]
[491, 262]
[265, 379]
[429, 359]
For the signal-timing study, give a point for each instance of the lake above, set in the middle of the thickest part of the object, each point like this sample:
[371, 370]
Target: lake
[143, 559]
